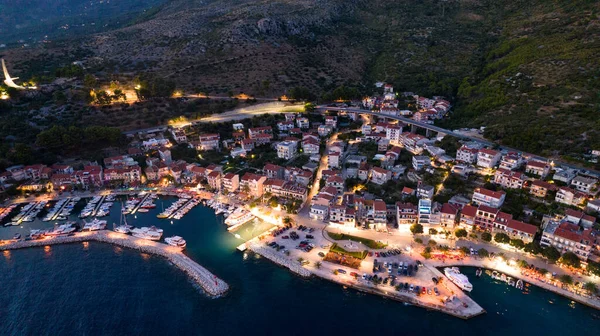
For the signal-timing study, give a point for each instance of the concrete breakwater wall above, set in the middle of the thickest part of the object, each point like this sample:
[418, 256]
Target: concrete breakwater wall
[271, 254]
[212, 285]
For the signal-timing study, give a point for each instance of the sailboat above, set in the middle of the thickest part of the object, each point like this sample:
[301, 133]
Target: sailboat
[123, 226]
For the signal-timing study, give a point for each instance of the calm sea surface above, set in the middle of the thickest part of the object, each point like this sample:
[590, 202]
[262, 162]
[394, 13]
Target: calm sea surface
[99, 289]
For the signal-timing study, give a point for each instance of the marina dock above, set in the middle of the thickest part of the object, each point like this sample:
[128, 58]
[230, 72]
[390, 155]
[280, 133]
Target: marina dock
[137, 207]
[98, 205]
[212, 285]
[60, 210]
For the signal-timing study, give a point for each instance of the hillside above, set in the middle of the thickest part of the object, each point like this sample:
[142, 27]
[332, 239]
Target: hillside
[525, 69]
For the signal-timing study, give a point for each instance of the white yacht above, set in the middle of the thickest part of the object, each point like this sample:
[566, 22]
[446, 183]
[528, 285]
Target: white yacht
[123, 226]
[175, 241]
[61, 230]
[238, 217]
[458, 278]
[94, 225]
[150, 233]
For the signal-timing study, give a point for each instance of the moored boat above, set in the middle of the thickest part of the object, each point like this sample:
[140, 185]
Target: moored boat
[176, 241]
[458, 278]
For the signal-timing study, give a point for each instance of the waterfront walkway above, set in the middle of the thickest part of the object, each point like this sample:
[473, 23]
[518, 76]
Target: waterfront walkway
[516, 272]
[212, 285]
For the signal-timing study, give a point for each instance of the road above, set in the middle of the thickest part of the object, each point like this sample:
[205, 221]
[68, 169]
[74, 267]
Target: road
[237, 114]
[322, 109]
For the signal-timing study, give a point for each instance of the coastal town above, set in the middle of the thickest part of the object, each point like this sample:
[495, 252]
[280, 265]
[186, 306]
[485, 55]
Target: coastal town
[358, 198]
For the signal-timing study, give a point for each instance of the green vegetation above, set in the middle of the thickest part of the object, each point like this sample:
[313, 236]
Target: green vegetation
[365, 241]
[570, 259]
[338, 249]
[517, 243]
[416, 229]
[486, 236]
[460, 233]
[483, 253]
[551, 253]
[502, 238]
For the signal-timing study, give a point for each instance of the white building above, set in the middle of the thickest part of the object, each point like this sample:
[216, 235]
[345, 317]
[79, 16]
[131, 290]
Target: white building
[487, 197]
[487, 158]
[286, 149]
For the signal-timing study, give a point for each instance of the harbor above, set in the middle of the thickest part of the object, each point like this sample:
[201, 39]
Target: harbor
[212, 285]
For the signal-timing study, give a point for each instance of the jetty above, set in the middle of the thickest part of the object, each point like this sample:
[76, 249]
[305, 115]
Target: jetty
[98, 205]
[137, 206]
[212, 285]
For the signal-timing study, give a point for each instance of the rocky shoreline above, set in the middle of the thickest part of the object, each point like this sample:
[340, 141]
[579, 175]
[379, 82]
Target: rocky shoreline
[212, 285]
[270, 254]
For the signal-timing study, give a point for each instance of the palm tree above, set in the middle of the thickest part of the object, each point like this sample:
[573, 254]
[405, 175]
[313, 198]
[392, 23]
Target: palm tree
[318, 264]
[566, 279]
[288, 220]
[590, 287]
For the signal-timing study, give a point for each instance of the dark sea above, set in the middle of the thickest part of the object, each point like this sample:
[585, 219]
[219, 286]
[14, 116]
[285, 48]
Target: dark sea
[98, 289]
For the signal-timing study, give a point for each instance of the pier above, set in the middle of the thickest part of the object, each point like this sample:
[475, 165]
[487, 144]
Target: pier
[212, 285]
[137, 207]
[181, 207]
[60, 210]
[98, 205]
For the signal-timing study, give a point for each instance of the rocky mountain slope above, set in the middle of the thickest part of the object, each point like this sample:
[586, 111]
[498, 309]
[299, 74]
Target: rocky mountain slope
[526, 69]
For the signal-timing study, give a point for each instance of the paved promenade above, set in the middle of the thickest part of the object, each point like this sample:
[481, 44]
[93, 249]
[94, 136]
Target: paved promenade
[212, 285]
[515, 272]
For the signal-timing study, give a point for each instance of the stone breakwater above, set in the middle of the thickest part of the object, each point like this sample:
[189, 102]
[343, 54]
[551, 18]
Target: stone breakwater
[272, 255]
[212, 285]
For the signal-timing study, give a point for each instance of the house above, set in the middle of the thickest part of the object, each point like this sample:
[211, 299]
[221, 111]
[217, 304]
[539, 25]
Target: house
[509, 179]
[569, 237]
[337, 146]
[324, 130]
[511, 161]
[300, 176]
[333, 160]
[128, 175]
[285, 189]
[342, 215]
[406, 191]
[419, 162]
[331, 121]
[110, 162]
[482, 196]
[265, 130]
[319, 212]
[488, 217]
[209, 142]
[584, 184]
[262, 139]
[284, 126]
[413, 142]
[290, 116]
[363, 171]
[154, 143]
[238, 126]
[165, 155]
[337, 182]
[579, 218]
[179, 135]
[520, 230]
[383, 144]
[448, 215]
[565, 176]
[366, 129]
[406, 214]
[425, 191]
[238, 136]
[248, 145]
[90, 176]
[302, 122]
[393, 133]
[466, 154]
[428, 216]
[540, 188]
[287, 149]
[537, 168]
[467, 217]
[231, 182]
[152, 173]
[570, 196]
[310, 146]
[253, 184]
[273, 171]
[214, 180]
[593, 206]
[379, 216]
[379, 175]
[487, 158]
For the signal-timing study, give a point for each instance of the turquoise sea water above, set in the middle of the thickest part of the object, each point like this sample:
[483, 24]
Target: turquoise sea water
[99, 289]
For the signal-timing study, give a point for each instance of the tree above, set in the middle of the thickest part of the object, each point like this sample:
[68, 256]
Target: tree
[433, 231]
[426, 253]
[483, 253]
[416, 228]
[533, 248]
[590, 287]
[502, 238]
[522, 263]
[464, 250]
[486, 236]
[460, 233]
[570, 259]
[318, 264]
[566, 279]
[593, 268]
[287, 220]
[517, 243]
[431, 243]
[309, 107]
[551, 253]
[90, 81]
[246, 189]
